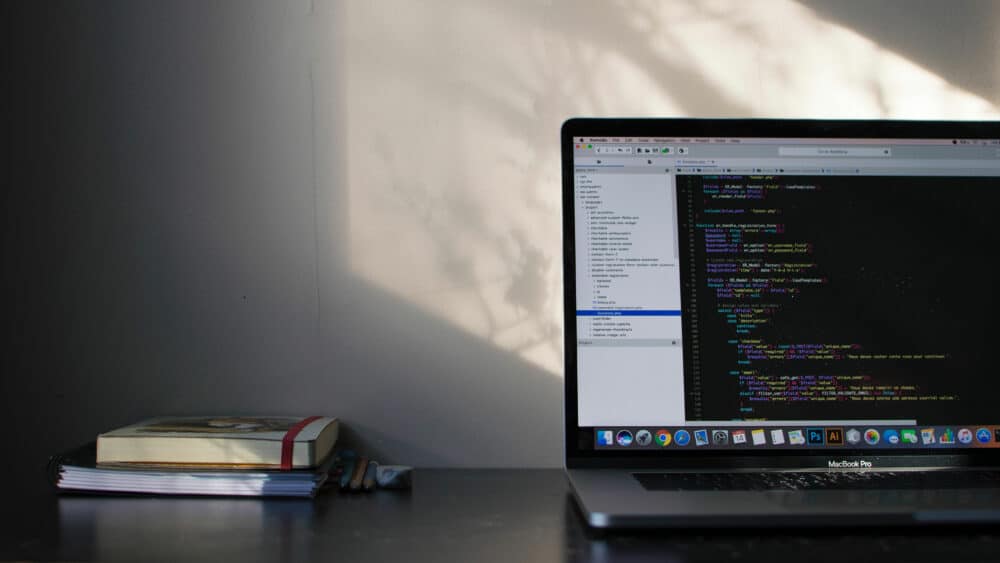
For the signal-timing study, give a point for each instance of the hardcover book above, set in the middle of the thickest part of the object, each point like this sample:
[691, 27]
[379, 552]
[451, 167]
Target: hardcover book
[270, 442]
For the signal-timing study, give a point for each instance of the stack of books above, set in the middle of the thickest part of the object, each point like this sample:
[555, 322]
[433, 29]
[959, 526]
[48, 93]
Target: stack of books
[232, 456]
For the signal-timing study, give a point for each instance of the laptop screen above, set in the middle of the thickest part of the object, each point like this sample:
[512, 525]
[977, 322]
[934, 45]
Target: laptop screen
[780, 293]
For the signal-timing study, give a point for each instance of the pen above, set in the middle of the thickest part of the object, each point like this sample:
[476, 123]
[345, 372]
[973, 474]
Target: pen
[359, 473]
[345, 477]
[368, 483]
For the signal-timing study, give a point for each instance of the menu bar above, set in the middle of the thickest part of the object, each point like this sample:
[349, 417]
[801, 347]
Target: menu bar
[777, 140]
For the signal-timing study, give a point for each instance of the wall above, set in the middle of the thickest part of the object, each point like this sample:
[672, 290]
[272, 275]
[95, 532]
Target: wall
[352, 207]
[160, 250]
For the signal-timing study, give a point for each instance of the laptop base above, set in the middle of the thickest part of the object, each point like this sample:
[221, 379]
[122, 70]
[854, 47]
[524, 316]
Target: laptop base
[614, 498]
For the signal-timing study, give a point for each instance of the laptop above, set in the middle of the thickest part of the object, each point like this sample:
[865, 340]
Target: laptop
[781, 322]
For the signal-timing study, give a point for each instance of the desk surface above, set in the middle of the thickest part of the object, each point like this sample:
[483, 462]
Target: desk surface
[451, 515]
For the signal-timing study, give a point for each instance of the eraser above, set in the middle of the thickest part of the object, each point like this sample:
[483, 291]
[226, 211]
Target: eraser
[394, 476]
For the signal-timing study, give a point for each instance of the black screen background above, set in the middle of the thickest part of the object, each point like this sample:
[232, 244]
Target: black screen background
[909, 263]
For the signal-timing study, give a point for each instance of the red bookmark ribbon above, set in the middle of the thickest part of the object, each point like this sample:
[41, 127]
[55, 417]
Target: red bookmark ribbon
[288, 441]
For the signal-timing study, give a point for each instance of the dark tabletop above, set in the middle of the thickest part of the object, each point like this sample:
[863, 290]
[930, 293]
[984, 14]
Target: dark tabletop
[450, 515]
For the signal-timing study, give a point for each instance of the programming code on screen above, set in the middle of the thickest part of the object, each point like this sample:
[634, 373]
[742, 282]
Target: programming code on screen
[833, 297]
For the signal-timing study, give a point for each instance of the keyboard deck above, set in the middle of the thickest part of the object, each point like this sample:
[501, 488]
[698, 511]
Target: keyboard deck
[833, 480]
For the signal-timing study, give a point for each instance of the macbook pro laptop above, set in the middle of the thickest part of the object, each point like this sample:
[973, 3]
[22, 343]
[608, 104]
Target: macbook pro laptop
[781, 322]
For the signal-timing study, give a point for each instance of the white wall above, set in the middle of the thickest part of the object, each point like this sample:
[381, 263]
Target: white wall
[353, 207]
[452, 112]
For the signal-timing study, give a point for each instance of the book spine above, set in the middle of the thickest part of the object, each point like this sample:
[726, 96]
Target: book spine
[52, 469]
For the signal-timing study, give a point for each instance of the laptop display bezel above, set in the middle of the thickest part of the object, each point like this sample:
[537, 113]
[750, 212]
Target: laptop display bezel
[580, 455]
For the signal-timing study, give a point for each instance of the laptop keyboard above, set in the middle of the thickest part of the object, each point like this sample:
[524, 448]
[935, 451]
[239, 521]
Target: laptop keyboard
[834, 480]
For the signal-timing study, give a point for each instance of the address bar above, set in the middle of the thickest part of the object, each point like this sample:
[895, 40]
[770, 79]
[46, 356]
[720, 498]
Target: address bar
[835, 151]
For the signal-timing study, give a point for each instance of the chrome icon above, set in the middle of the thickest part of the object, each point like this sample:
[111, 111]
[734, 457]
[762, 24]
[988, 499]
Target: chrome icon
[663, 437]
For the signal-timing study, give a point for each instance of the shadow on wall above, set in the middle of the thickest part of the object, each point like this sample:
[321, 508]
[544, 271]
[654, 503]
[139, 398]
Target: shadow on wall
[219, 235]
[163, 237]
[942, 37]
[452, 114]
[416, 389]
[449, 158]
